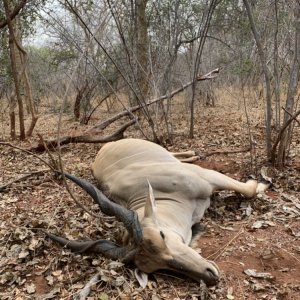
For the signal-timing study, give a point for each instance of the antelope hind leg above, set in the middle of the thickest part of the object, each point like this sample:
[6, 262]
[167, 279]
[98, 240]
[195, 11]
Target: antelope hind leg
[219, 181]
[186, 156]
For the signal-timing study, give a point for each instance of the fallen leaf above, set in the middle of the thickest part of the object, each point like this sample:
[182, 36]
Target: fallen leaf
[50, 295]
[103, 296]
[118, 281]
[257, 225]
[268, 254]
[270, 223]
[33, 244]
[23, 254]
[229, 293]
[248, 211]
[30, 288]
[115, 265]
[257, 287]
[57, 273]
[50, 279]
[255, 274]
[12, 200]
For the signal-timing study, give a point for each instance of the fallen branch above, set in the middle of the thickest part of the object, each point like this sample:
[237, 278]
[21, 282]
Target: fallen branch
[92, 135]
[89, 137]
[130, 110]
[21, 178]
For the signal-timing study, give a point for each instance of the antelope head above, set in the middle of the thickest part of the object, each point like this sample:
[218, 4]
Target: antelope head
[152, 246]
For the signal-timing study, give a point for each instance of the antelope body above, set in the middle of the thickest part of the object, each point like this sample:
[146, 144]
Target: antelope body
[159, 199]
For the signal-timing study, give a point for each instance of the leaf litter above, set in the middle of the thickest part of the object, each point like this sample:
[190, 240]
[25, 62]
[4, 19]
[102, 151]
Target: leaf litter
[32, 266]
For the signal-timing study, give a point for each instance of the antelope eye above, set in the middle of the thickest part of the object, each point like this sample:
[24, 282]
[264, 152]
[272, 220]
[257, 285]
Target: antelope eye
[162, 235]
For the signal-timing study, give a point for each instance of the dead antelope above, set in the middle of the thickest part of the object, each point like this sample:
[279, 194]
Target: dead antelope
[159, 199]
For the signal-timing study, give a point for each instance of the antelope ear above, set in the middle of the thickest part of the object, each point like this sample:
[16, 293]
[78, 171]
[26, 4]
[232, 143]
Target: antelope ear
[150, 206]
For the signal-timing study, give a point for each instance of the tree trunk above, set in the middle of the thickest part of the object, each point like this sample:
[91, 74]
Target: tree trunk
[29, 96]
[276, 70]
[24, 81]
[13, 59]
[203, 33]
[78, 100]
[292, 89]
[12, 115]
[141, 51]
[142, 48]
[266, 75]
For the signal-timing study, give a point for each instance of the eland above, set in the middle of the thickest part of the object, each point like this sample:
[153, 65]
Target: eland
[160, 200]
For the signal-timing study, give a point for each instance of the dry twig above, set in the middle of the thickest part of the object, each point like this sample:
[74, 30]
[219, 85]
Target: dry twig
[220, 251]
[29, 152]
[22, 177]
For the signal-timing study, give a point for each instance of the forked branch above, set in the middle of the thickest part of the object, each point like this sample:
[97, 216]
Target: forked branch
[14, 13]
[90, 137]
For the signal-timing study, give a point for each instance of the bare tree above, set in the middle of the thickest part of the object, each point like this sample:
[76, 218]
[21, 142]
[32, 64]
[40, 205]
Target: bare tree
[13, 61]
[142, 47]
[276, 68]
[19, 67]
[292, 90]
[203, 29]
[266, 73]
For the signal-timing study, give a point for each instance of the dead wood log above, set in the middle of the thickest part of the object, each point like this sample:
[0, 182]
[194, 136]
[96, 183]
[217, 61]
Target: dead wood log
[89, 137]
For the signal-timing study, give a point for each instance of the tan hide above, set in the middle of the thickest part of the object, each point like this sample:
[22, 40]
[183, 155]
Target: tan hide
[182, 194]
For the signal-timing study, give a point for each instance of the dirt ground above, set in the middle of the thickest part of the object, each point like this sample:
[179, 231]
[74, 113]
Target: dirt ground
[254, 242]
